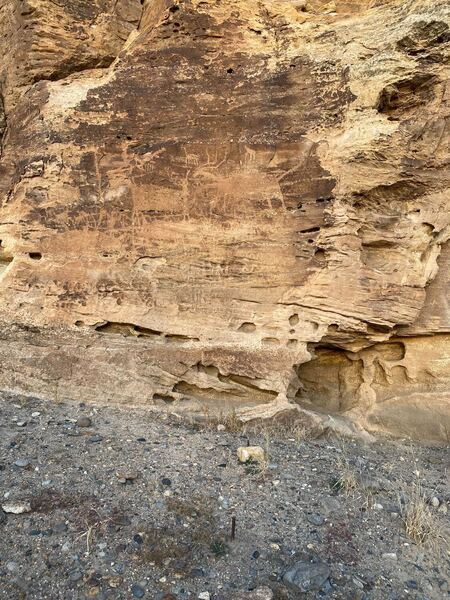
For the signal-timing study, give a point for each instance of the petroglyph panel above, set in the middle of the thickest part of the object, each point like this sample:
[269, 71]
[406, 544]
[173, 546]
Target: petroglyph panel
[198, 198]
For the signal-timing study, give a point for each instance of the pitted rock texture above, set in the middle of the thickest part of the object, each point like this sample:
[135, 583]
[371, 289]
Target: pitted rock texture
[217, 204]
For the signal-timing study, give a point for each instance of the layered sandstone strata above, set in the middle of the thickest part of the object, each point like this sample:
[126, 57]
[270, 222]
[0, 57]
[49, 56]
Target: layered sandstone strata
[218, 204]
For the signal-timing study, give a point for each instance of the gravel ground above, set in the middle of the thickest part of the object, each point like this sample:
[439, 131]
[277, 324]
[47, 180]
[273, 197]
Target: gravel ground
[125, 504]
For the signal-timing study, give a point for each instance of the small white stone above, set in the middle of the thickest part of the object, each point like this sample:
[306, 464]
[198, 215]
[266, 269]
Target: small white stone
[35, 414]
[359, 584]
[254, 453]
[274, 546]
[221, 427]
[204, 596]
[11, 566]
[377, 506]
[16, 508]
[435, 501]
[389, 556]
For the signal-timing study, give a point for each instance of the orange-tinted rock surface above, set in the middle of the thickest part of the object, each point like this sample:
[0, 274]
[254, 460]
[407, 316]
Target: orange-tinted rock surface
[228, 203]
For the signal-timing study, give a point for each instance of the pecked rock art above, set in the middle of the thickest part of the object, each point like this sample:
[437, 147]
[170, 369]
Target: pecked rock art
[228, 205]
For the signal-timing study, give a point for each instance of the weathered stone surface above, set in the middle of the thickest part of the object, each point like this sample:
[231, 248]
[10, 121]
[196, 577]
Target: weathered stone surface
[228, 204]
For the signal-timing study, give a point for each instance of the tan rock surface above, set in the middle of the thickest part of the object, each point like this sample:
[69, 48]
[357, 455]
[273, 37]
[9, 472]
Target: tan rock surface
[199, 197]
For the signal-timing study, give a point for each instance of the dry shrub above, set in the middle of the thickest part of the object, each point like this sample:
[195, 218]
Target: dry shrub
[280, 429]
[346, 479]
[172, 541]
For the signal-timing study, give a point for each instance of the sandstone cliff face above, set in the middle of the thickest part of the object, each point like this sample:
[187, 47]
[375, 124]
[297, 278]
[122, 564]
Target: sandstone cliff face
[227, 203]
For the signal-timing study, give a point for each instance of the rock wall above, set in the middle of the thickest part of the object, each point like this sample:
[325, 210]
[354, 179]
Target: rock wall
[215, 204]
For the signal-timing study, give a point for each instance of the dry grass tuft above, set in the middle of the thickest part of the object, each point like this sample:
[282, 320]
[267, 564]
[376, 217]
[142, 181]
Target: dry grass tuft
[347, 479]
[230, 421]
[261, 466]
[299, 431]
[421, 524]
[295, 430]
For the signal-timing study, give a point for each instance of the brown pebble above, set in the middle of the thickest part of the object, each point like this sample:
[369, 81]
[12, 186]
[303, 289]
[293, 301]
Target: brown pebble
[83, 422]
[115, 582]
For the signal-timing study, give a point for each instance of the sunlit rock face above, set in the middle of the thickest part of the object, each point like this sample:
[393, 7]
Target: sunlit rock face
[218, 204]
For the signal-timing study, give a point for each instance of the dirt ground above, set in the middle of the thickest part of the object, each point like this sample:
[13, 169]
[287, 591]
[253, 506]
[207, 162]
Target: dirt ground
[126, 504]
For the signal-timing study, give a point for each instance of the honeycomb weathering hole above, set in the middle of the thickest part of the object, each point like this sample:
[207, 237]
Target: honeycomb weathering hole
[247, 327]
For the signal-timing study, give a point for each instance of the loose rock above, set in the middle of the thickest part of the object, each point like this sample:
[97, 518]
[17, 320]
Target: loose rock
[251, 453]
[12, 566]
[315, 519]
[306, 576]
[389, 556]
[75, 575]
[115, 582]
[124, 476]
[137, 590]
[16, 508]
